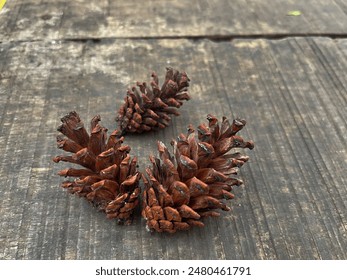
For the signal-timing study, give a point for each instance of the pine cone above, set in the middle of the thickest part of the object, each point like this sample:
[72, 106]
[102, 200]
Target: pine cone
[191, 184]
[108, 179]
[147, 109]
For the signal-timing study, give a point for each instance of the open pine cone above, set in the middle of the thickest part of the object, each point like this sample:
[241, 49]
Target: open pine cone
[191, 184]
[149, 108]
[109, 178]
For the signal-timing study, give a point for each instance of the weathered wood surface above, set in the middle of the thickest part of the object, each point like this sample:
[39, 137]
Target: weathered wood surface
[61, 19]
[292, 92]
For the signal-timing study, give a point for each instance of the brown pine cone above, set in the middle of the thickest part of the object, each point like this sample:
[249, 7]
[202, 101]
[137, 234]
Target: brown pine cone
[191, 184]
[149, 108]
[109, 178]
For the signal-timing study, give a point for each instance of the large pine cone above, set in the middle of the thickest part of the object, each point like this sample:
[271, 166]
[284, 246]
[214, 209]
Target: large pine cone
[149, 108]
[109, 178]
[191, 184]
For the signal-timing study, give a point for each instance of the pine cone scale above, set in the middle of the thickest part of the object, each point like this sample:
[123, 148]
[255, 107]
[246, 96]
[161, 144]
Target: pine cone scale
[73, 128]
[187, 212]
[197, 187]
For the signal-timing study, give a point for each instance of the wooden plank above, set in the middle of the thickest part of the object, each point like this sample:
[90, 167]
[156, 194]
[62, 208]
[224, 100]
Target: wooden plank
[54, 20]
[292, 92]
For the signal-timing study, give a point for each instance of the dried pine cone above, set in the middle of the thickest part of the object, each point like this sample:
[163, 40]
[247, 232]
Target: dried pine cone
[108, 179]
[191, 184]
[147, 108]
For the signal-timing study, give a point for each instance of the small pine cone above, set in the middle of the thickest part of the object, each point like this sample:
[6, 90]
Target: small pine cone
[149, 108]
[193, 182]
[109, 178]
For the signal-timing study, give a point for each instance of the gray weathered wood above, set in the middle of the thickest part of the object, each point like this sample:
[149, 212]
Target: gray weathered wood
[53, 20]
[292, 92]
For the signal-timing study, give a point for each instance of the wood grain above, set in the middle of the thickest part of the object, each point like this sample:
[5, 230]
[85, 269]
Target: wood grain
[55, 20]
[292, 92]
